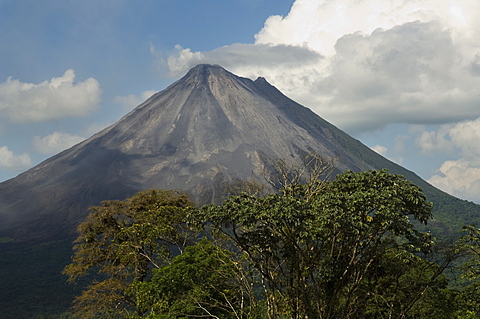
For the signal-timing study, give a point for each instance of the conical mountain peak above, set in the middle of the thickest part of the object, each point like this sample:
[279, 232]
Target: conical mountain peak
[207, 110]
[207, 75]
[205, 130]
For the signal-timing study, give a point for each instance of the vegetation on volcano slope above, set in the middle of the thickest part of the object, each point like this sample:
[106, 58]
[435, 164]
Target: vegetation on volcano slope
[450, 213]
[344, 248]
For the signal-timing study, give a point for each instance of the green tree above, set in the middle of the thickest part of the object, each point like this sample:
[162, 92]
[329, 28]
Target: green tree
[204, 281]
[468, 246]
[319, 253]
[122, 241]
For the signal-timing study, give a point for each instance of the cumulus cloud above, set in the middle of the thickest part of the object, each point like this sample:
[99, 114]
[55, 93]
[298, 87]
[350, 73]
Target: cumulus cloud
[466, 136]
[55, 142]
[462, 138]
[431, 142]
[364, 64]
[54, 99]
[130, 101]
[244, 58]
[9, 160]
[458, 178]
[382, 150]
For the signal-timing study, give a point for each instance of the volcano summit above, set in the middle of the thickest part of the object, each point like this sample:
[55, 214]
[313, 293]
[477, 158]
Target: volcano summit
[205, 130]
[208, 128]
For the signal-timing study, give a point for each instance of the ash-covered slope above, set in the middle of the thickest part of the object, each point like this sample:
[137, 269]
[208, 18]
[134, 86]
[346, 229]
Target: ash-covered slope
[204, 130]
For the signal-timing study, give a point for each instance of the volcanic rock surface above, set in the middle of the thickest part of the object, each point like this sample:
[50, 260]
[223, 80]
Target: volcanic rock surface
[203, 131]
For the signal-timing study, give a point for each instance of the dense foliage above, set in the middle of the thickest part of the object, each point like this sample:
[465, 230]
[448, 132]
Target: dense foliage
[345, 248]
[123, 241]
[324, 256]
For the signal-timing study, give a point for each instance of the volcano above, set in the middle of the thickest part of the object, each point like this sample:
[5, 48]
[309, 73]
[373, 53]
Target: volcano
[205, 130]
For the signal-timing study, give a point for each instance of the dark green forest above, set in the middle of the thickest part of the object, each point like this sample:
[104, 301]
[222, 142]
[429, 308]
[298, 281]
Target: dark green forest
[348, 247]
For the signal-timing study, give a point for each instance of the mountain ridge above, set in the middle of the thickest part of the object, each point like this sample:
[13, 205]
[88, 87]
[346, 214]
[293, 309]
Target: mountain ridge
[206, 129]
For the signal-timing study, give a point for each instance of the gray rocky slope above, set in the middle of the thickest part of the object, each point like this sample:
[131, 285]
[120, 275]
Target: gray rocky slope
[204, 130]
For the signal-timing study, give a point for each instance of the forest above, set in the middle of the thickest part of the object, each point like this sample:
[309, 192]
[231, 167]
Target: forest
[346, 247]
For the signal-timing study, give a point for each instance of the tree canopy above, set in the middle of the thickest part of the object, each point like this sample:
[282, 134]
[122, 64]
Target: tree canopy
[341, 248]
[322, 255]
[123, 241]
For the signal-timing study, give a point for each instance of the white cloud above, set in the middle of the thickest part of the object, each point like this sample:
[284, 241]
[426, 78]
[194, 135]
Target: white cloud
[9, 160]
[184, 58]
[55, 142]
[431, 142]
[466, 136]
[49, 100]
[382, 150]
[247, 59]
[364, 64]
[458, 178]
[130, 101]
[462, 137]
[321, 23]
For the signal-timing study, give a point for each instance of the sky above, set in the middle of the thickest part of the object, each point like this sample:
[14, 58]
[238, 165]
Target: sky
[401, 76]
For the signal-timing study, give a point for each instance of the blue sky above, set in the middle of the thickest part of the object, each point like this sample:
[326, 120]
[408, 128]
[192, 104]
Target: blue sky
[402, 76]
